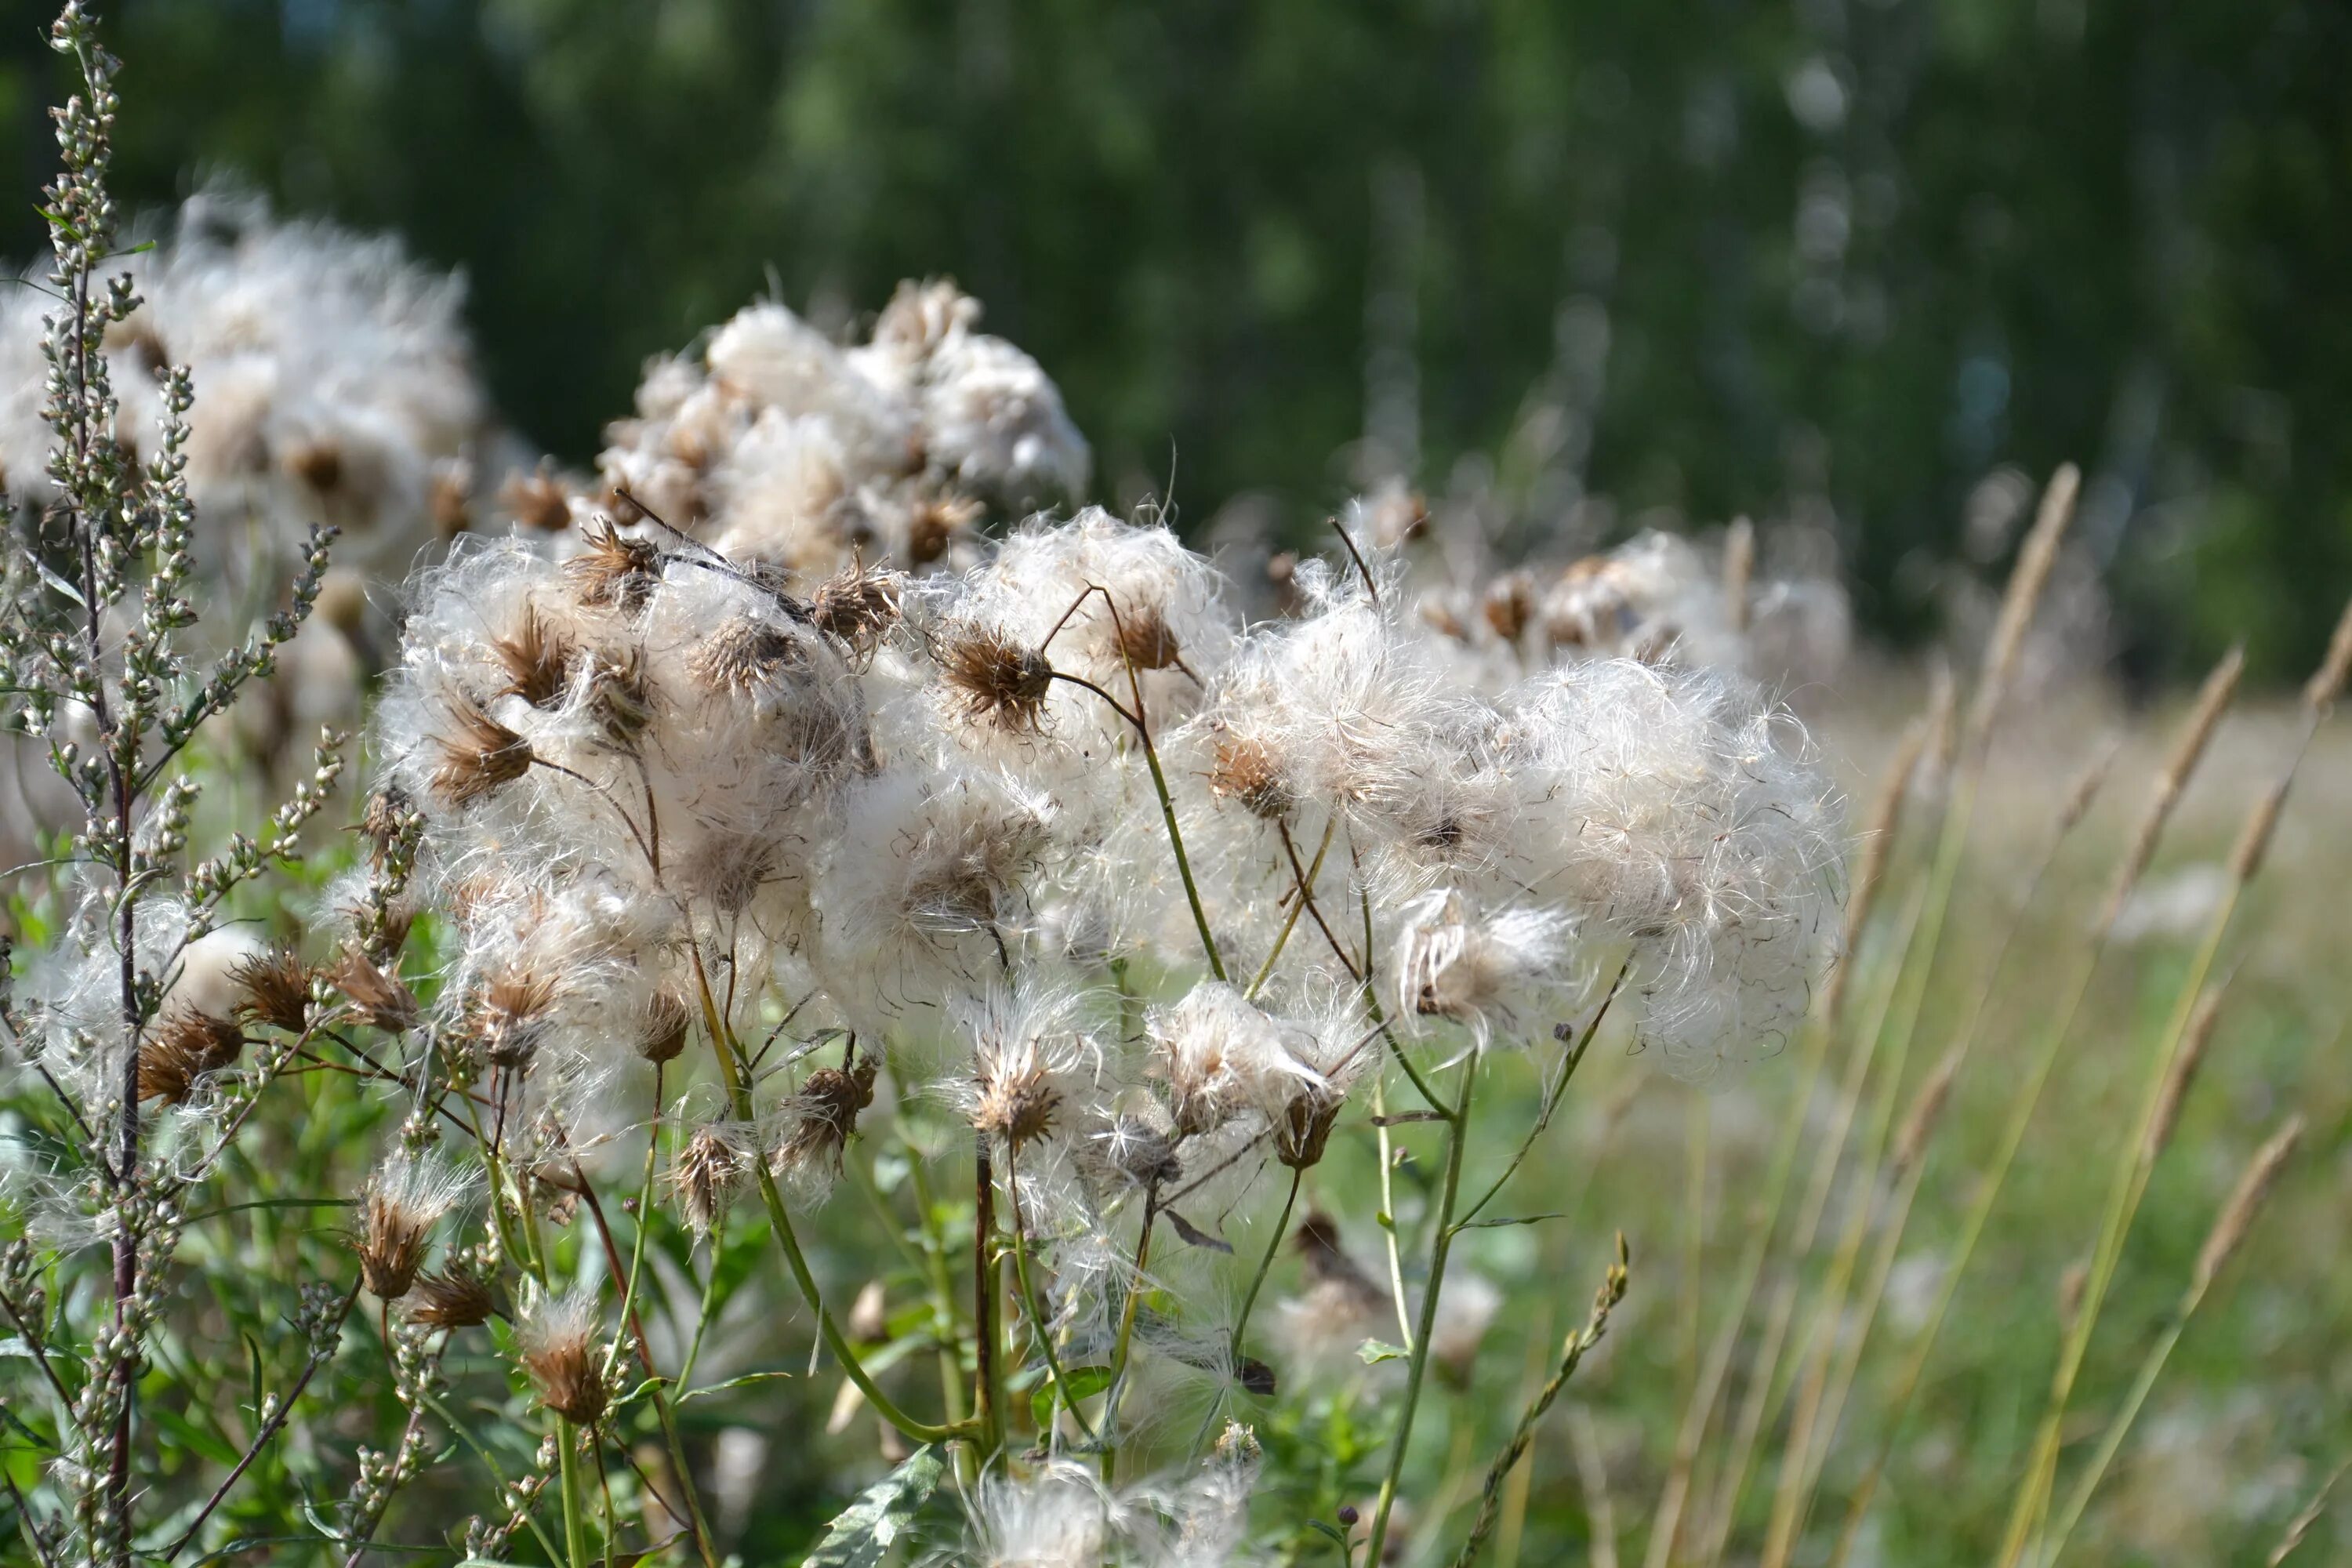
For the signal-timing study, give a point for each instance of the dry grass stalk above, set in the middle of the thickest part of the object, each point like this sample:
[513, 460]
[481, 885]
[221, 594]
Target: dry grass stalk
[2183, 1073]
[2228, 1232]
[1738, 569]
[2035, 559]
[2212, 701]
[2308, 1515]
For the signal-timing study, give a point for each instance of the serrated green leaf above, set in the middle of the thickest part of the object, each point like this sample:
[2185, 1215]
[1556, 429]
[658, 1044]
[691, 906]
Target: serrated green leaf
[1371, 1353]
[882, 1513]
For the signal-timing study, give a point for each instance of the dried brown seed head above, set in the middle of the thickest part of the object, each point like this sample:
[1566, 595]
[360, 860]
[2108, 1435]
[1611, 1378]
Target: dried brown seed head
[450, 499]
[557, 1342]
[510, 1013]
[858, 606]
[185, 1046]
[1510, 604]
[537, 499]
[661, 1032]
[1016, 1098]
[405, 1198]
[537, 659]
[458, 1296]
[380, 998]
[1000, 680]
[746, 652]
[1304, 1127]
[620, 697]
[707, 1175]
[613, 570]
[482, 757]
[276, 989]
[386, 815]
[1246, 770]
[935, 524]
[1144, 640]
[318, 464]
[829, 1102]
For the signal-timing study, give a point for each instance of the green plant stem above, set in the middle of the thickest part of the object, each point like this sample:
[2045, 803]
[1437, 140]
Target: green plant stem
[1827, 1155]
[2132, 1168]
[1040, 1325]
[1122, 1347]
[575, 1522]
[1265, 1267]
[1388, 1206]
[1574, 1059]
[1899, 1213]
[1456, 1142]
[1571, 1354]
[780, 1224]
[1282, 938]
[490, 1463]
[945, 1327]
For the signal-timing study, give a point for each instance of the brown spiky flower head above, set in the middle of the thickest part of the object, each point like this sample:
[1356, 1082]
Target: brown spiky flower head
[998, 680]
[458, 1296]
[510, 1015]
[858, 605]
[184, 1047]
[1022, 1045]
[613, 570]
[662, 1029]
[1248, 771]
[405, 1198]
[708, 1171]
[824, 1116]
[536, 657]
[479, 756]
[275, 990]
[557, 1338]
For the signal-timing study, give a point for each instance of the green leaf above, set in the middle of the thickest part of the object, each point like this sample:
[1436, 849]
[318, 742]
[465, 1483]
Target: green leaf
[882, 1513]
[1371, 1353]
[693, 1393]
[174, 1425]
[1514, 1219]
[1084, 1382]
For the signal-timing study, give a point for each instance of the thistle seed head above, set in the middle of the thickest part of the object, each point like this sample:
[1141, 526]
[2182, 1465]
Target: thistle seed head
[858, 606]
[458, 1296]
[1246, 770]
[406, 1197]
[276, 990]
[613, 570]
[557, 1339]
[536, 656]
[708, 1173]
[186, 1046]
[480, 758]
[829, 1102]
[661, 1031]
[999, 680]
[380, 998]
[510, 1016]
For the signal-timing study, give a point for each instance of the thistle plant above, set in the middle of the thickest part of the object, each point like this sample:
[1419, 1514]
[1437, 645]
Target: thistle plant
[808, 917]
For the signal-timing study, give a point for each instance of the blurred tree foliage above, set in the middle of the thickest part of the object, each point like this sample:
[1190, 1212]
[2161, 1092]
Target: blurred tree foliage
[1832, 260]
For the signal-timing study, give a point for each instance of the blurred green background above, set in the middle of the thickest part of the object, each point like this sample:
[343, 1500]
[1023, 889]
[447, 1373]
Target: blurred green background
[1832, 259]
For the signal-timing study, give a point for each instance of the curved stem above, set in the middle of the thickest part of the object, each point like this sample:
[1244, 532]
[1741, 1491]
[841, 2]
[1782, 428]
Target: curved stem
[1457, 1141]
[1265, 1267]
[1282, 938]
[780, 1222]
[1039, 1324]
